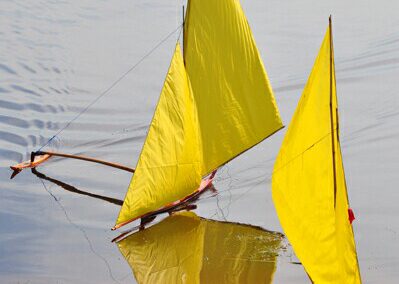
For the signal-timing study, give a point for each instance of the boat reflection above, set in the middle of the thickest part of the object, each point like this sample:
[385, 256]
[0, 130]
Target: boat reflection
[185, 248]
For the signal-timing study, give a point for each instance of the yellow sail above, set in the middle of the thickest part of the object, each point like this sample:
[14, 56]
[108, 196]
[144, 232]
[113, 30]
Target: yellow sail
[169, 165]
[235, 102]
[311, 204]
[184, 248]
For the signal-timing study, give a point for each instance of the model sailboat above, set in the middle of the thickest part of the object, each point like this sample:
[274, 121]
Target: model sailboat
[184, 248]
[309, 189]
[215, 104]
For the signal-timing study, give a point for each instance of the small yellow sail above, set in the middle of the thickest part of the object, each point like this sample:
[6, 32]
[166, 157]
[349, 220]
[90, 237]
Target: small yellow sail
[308, 184]
[184, 248]
[235, 102]
[169, 165]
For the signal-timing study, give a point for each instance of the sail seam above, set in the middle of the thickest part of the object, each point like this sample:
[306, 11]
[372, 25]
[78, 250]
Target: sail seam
[303, 152]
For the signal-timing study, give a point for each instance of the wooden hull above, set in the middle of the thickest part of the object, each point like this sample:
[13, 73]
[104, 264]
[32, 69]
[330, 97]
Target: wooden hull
[29, 164]
[205, 184]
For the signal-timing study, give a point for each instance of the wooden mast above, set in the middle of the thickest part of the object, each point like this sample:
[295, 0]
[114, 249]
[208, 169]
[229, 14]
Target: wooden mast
[182, 45]
[332, 111]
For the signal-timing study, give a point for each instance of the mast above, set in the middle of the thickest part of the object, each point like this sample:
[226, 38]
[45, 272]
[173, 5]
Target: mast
[332, 112]
[182, 44]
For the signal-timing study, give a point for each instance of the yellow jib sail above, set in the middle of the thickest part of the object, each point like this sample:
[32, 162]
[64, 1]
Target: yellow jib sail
[308, 183]
[169, 164]
[184, 248]
[233, 95]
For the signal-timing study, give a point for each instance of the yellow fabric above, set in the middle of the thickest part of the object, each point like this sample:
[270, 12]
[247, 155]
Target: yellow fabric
[235, 102]
[303, 183]
[169, 165]
[184, 248]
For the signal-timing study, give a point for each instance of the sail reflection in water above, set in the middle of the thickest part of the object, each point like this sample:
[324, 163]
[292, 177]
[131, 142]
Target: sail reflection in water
[185, 248]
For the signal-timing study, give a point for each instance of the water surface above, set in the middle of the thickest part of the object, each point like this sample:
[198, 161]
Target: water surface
[58, 56]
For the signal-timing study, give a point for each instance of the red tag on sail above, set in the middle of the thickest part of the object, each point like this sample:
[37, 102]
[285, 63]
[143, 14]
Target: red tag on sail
[351, 215]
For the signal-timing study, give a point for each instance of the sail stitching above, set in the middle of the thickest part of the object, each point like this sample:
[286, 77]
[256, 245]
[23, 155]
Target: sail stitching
[303, 152]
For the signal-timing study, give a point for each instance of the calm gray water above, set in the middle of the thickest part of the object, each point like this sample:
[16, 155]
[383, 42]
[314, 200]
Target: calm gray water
[58, 56]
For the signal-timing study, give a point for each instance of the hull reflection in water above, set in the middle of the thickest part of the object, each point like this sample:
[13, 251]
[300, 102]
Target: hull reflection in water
[185, 248]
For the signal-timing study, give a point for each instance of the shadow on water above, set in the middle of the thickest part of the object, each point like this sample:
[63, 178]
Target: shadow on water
[73, 189]
[186, 248]
[189, 204]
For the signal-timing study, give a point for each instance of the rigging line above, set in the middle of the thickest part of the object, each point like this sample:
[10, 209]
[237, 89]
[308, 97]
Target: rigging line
[177, 40]
[81, 230]
[112, 85]
[230, 189]
[241, 195]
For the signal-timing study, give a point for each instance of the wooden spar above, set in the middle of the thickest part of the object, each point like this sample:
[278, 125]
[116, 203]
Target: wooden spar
[331, 110]
[88, 159]
[182, 49]
[40, 157]
[183, 16]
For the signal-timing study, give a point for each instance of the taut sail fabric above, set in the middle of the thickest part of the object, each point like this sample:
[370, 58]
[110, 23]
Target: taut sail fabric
[312, 211]
[234, 99]
[169, 165]
[184, 248]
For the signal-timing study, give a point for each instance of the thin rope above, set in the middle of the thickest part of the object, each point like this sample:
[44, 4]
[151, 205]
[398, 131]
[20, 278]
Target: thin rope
[112, 85]
[57, 200]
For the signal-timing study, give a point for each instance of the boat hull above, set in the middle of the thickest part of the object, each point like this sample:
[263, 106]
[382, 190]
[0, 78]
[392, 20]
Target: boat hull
[206, 183]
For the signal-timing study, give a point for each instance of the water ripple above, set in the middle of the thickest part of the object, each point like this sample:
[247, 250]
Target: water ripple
[28, 68]
[29, 106]
[2, 90]
[13, 121]
[7, 69]
[11, 155]
[25, 90]
[13, 138]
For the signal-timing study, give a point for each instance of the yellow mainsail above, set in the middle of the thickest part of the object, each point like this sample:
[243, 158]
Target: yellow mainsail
[215, 104]
[184, 248]
[170, 161]
[308, 184]
[234, 99]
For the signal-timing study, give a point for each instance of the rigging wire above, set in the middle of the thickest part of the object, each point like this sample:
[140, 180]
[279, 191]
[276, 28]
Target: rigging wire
[57, 200]
[106, 91]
